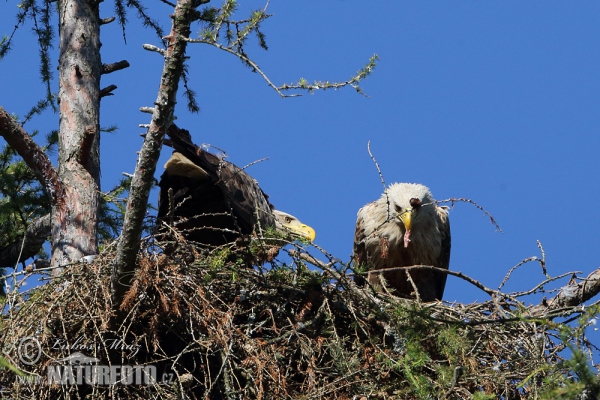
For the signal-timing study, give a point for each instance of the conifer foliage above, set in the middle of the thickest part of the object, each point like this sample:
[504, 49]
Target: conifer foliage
[215, 325]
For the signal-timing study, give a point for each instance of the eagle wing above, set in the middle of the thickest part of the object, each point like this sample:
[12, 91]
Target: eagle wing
[246, 199]
[379, 245]
[443, 260]
[367, 247]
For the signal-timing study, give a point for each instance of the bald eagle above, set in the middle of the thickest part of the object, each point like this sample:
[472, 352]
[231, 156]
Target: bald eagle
[212, 202]
[404, 227]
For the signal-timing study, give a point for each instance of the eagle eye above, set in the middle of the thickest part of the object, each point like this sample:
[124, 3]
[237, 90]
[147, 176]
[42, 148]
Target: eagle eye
[288, 220]
[415, 202]
[398, 208]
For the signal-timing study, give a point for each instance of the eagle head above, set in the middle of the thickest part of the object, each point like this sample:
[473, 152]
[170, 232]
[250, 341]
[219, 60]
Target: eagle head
[411, 203]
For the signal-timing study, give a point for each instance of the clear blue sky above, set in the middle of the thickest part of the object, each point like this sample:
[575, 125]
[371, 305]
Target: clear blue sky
[493, 101]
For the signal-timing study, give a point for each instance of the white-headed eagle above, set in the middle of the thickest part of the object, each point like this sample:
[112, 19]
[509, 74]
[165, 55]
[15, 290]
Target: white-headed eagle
[212, 202]
[404, 227]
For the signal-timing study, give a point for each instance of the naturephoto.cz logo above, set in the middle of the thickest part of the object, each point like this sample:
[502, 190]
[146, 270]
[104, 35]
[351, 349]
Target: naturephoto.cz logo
[80, 369]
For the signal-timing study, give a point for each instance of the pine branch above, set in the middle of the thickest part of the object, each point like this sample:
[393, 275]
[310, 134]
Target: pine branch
[108, 68]
[27, 247]
[33, 155]
[572, 295]
[162, 117]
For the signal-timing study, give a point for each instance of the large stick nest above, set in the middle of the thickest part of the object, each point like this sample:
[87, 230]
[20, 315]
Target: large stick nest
[213, 327]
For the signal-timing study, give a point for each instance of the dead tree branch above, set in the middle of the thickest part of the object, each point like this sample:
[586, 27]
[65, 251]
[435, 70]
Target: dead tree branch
[453, 200]
[162, 117]
[571, 295]
[32, 154]
[27, 247]
[108, 68]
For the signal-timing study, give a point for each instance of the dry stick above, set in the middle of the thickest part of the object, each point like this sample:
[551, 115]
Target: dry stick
[387, 198]
[20, 251]
[325, 267]
[376, 164]
[510, 271]
[453, 200]
[455, 377]
[129, 243]
[255, 162]
[541, 261]
[417, 297]
[474, 282]
[539, 285]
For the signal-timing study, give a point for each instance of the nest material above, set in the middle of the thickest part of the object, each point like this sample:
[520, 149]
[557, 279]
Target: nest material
[215, 328]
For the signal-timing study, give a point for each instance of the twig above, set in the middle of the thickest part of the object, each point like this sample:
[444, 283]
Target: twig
[246, 60]
[474, 282]
[542, 262]
[335, 274]
[416, 289]
[255, 162]
[376, 165]
[453, 200]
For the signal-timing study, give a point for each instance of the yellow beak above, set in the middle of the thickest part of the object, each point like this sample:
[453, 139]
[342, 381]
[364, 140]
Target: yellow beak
[286, 222]
[406, 218]
[303, 230]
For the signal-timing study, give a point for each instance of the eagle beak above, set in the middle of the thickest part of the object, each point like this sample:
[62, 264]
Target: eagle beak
[406, 218]
[303, 230]
[286, 222]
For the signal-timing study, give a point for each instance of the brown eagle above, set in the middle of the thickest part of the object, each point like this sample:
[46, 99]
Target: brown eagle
[404, 227]
[213, 202]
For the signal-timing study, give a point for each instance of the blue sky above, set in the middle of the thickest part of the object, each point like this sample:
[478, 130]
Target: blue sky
[497, 102]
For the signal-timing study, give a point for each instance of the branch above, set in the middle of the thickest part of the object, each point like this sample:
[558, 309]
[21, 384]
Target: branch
[33, 155]
[247, 60]
[571, 295]
[162, 117]
[458, 274]
[108, 20]
[302, 84]
[354, 81]
[376, 165]
[35, 236]
[108, 68]
[343, 279]
[453, 200]
[107, 91]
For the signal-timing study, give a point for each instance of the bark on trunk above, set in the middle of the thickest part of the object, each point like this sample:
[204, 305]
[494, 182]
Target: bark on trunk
[129, 243]
[74, 219]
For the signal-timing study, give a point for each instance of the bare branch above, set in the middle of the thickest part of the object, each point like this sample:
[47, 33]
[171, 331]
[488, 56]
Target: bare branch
[151, 47]
[472, 281]
[31, 243]
[162, 117]
[345, 280]
[453, 200]
[542, 262]
[108, 68]
[376, 165]
[572, 295]
[107, 91]
[108, 20]
[147, 110]
[33, 155]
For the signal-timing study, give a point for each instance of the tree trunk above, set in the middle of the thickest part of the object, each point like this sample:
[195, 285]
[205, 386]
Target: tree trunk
[162, 117]
[74, 217]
